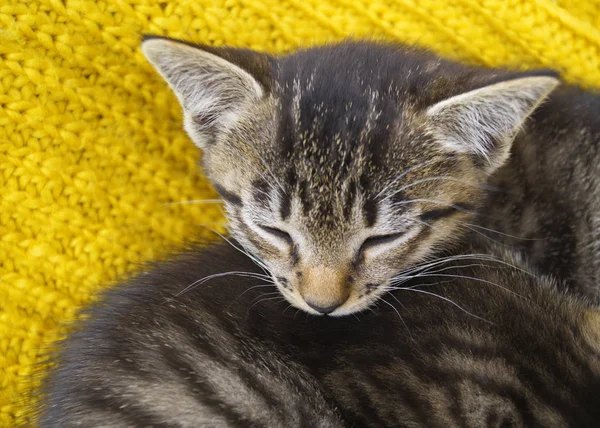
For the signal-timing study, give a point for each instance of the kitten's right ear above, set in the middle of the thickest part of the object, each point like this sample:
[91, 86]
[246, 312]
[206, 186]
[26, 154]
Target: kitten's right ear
[484, 122]
[215, 86]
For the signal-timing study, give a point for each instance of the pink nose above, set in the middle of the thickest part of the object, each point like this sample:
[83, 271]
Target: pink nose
[323, 288]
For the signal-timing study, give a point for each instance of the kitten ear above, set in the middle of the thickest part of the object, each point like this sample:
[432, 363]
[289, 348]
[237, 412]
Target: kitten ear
[214, 85]
[485, 121]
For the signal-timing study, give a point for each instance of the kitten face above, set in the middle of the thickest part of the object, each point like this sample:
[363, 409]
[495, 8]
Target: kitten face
[342, 167]
[333, 229]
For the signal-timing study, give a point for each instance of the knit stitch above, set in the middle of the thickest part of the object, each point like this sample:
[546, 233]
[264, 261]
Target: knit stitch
[93, 158]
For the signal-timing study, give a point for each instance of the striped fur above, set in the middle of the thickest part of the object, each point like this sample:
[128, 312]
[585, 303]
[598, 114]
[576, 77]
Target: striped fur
[362, 159]
[517, 353]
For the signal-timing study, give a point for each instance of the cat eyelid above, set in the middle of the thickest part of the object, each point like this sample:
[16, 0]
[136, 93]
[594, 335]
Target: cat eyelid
[377, 240]
[278, 233]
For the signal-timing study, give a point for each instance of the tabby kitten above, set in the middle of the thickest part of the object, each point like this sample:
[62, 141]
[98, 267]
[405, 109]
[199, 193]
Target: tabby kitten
[342, 165]
[500, 348]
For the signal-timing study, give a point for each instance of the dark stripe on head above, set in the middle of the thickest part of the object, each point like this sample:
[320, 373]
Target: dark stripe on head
[261, 192]
[285, 208]
[228, 196]
[294, 255]
[397, 197]
[370, 211]
[350, 198]
[370, 208]
[304, 197]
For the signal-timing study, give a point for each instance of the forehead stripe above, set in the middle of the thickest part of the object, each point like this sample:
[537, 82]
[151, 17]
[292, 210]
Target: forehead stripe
[285, 207]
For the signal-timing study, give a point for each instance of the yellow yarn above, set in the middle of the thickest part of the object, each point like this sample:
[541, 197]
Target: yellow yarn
[92, 149]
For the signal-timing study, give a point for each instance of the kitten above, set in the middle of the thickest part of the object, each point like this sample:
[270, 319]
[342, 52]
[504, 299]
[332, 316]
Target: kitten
[500, 348]
[342, 165]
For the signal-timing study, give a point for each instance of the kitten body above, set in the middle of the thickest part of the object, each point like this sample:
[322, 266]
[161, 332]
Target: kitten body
[342, 166]
[550, 198]
[500, 348]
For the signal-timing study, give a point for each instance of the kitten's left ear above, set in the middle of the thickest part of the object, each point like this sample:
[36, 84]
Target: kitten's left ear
[485, 121]
[215, 86]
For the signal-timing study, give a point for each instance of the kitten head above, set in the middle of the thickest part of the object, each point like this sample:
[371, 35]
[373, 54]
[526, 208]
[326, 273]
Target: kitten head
[343, 166]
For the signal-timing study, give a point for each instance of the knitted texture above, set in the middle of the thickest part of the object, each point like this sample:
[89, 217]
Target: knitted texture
[92, 151]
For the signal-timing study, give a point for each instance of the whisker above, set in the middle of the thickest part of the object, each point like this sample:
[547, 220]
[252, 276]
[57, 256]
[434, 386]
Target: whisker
[474, 279]
[401, 319]
[447, 268]
[504, 234]
[447, 300]
[219, 275]
[386, 188]
[196, 201]
[271, 293]
[280, 298]
[502, 244]
[247, 253]
[429, 284]
[474, 256]
[253, 287]
[436, 178]
[285, 310]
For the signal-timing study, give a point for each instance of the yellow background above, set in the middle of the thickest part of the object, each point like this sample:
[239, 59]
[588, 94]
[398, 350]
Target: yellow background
[92, 149]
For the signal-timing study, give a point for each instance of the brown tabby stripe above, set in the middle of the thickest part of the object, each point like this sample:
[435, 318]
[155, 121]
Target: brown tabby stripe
[530, 374]
[416, 405]
[369, 411]
[227, 195]
[350, 198]
[212, 353]
[370, 208]
[285, 206]
[261, 192]
[201, 390]
[131, 415]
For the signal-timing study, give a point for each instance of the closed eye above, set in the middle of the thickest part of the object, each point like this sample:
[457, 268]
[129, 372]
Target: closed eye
[433, 215]
[374, 241]
[278, 233]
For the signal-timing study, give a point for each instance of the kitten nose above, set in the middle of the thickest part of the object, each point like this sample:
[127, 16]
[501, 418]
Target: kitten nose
[324, 310]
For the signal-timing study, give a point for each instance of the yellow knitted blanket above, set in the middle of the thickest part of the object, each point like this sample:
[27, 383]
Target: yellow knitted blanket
[93, 158]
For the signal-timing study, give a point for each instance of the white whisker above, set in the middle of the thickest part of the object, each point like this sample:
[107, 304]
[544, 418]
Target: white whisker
[386, 188]
[393, 307]
[271, 285]
[474, 279]
[280, 298]
[504, 234]
[219, 275]
[196, 201]
[435, 178]
[447, 300]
